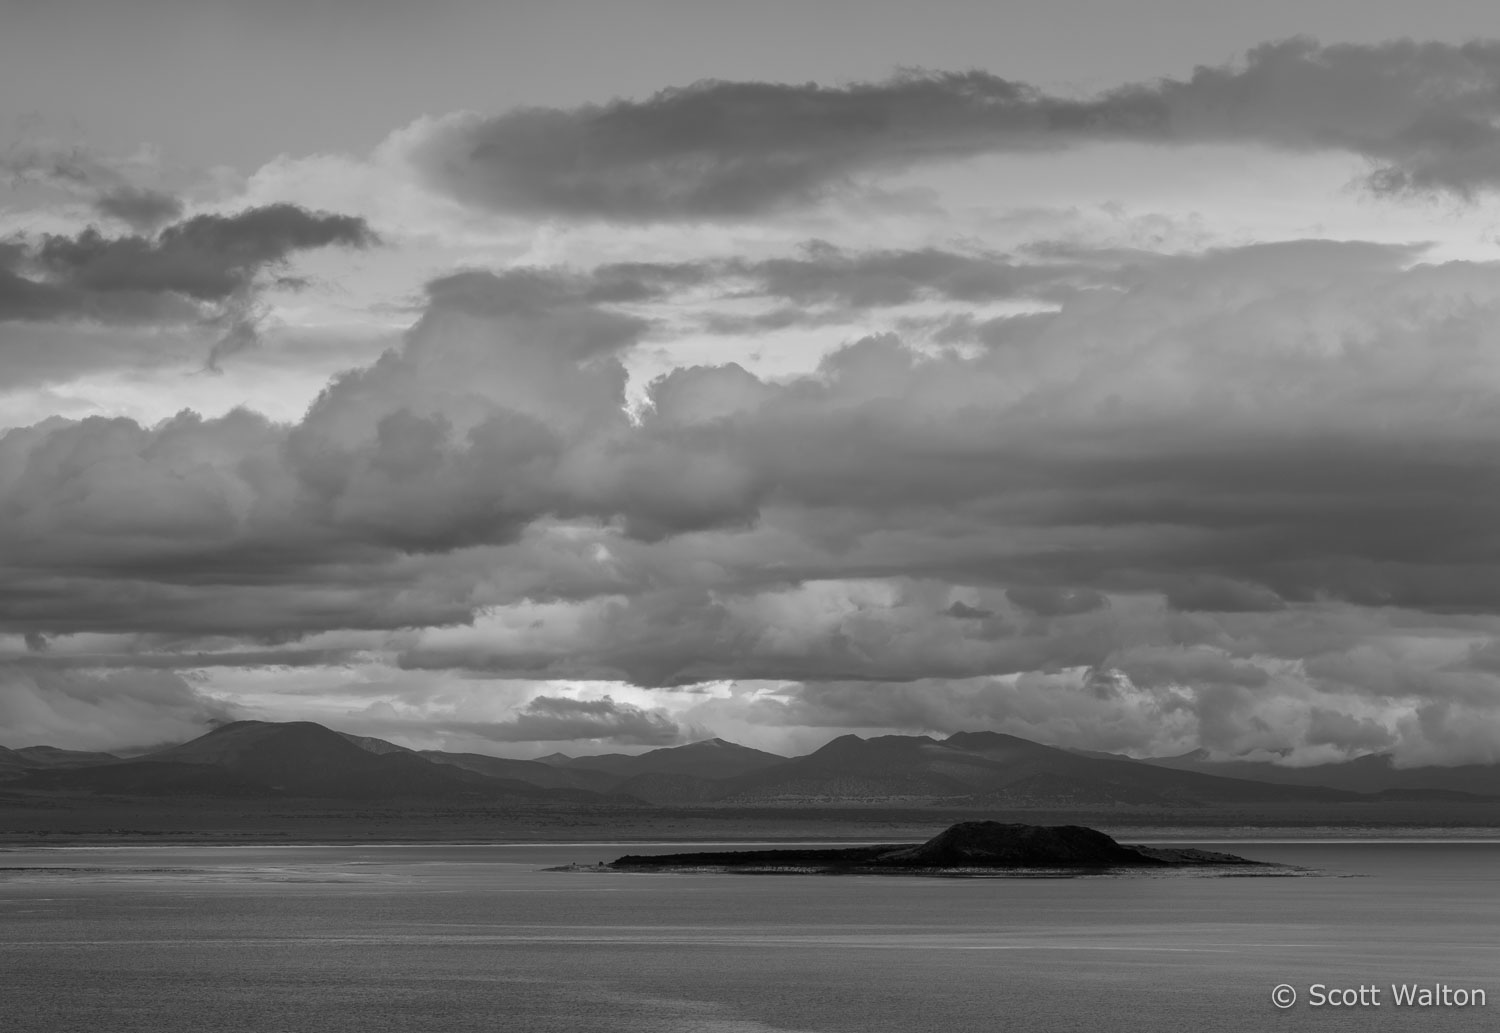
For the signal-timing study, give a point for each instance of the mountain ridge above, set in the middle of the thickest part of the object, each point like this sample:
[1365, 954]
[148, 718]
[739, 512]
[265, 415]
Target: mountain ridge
[969, 770]
[296, 759]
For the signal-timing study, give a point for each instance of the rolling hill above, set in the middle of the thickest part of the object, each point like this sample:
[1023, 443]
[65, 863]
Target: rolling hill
[12, 763]
[967, 770]
[544, 776]
[17, 762]
[988, 769]
[297, 759]
[710, 758]
[1375, 773]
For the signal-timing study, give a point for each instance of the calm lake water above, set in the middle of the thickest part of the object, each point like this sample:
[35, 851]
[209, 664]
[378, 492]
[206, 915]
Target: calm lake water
[458, 938]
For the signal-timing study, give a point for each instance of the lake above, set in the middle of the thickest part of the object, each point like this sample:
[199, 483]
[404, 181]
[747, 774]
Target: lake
[458, 938]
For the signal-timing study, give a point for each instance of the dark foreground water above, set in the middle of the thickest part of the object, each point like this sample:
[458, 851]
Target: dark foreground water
[458, 938]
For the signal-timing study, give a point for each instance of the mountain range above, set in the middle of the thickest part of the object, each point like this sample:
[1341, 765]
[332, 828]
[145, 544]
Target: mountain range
[292, 759]
[1374, 773]
[32, 758]
[966, 770]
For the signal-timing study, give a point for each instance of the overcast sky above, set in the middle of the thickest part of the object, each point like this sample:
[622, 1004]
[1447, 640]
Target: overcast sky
[594, 376]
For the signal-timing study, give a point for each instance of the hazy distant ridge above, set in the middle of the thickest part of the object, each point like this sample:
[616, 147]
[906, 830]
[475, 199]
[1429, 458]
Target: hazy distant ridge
[967, 770]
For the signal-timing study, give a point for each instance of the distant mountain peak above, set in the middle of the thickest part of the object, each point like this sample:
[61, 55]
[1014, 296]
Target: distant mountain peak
[373, 745]
[984, 735]
[715, 743]
[851, 744]
[236, 739]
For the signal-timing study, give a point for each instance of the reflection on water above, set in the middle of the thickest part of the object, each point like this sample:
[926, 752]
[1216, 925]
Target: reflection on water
[456, 938]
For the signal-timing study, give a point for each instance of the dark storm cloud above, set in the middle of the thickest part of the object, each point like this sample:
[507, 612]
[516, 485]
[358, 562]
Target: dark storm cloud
[721, 149]
[205, 258]
[678, 637]
[1156, 667]
[165, 658]
[202, 275]
[1055, 601]
[92, 710]
[1424, 114]
[1161, 697]
[1303, 423]
[1251, 492]
[963, 611]
[559, 719]
[206, 268]
[819, 285]
[824, 273]
[140, 208]
[498, 412]
[542, 294]
[532, 288]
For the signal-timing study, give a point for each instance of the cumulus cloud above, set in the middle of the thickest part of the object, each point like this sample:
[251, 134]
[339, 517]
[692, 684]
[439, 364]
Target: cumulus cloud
[1203, 481]
[1056, 707]
[1153, 696]
[1423, 114]
[500, 410]
[846, 629]
[1226, 431]
[561, 719]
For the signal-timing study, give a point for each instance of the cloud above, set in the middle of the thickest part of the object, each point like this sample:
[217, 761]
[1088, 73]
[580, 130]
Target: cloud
[1056, 601]
[499, 411]
[1069, 487]
[963, 611]
[824, 273]
[1227, 479]
[204, 258]
[1154, 697]
[1215, 593]
[1059, 707]
[140, 208]
[207, 270]
[820, 273]
[111, 185]
[560, 719]
[1423, 114]
[1237, 417]
[92, 710]
[835, 630]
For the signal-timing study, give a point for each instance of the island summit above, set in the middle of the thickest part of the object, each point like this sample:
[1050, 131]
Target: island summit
[967, 846]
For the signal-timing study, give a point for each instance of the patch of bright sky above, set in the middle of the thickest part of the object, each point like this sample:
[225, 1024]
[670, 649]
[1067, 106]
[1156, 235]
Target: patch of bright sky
[412, 708]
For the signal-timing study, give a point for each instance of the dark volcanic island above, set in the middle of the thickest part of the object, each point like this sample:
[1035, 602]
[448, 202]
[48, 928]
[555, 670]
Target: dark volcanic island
[970, 847]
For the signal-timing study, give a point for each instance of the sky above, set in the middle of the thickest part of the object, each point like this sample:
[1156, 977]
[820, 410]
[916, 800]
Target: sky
[600, 377]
